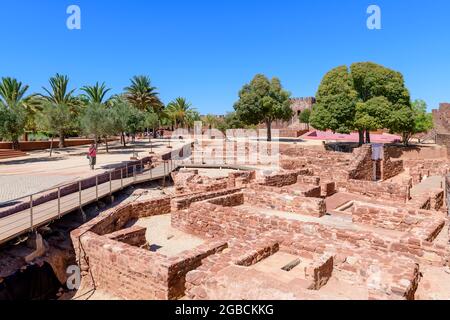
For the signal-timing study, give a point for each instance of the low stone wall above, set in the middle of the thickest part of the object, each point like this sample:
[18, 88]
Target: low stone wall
[307, 203]
[111, 260]
[380, 190]
[391, 168]
[278, 179]
[128, 272]
[188, 181]
[212, 221]
[134, 236]
[240, 178]
[422, 224]
[242, 254]
[363, 265]
[43, 145]
[184, 202]
[418, 169]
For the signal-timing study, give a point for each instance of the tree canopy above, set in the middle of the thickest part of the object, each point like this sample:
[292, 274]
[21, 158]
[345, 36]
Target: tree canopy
[263, 101]
[363, 97]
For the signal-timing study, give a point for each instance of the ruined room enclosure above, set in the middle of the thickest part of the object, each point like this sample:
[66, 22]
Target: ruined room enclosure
[323, 230]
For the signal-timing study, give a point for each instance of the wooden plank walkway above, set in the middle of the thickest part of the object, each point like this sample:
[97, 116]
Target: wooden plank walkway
[28, 220]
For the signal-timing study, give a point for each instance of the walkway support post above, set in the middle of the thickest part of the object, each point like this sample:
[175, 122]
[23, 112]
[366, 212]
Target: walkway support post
[164, 177]
[96, 188]
[31, 213]
[79, 194]
[121, 178]
[59, 202]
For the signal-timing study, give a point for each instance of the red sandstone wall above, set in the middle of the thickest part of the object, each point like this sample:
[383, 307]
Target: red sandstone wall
[308, 203]
[205, 219]
[109, 263]
[43, 145]
[378, 190]
[421, 168]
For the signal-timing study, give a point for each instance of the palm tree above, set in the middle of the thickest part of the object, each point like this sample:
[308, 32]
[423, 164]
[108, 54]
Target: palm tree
[210, 120]
[15, 107]
[179, 110]
[142, 95]
[59, 95]
[96, 93]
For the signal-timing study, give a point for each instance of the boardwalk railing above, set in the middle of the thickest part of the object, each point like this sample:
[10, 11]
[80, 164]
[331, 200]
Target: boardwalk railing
[28, 213]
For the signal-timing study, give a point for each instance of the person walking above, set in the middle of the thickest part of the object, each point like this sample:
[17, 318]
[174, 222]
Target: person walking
[92, 156]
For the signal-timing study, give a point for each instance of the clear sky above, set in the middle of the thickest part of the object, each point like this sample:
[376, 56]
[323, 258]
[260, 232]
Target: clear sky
[206, 50]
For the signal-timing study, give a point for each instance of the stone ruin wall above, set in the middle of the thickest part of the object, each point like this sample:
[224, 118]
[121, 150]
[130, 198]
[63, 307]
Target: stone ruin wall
[220, 215]
[111, 258]
[216, 222]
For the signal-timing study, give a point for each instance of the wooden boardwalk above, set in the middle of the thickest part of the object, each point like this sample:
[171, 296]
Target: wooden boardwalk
[28, 220]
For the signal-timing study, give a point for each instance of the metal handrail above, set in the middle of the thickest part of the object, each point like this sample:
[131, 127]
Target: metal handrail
[17, 218]
[72, 182]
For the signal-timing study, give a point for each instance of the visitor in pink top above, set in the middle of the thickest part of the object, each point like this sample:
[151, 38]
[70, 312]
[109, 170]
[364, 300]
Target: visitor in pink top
[92, 155]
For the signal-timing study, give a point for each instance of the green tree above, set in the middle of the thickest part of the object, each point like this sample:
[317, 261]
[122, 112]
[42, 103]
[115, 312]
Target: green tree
[14, 104]
[56, 119]
[343, 98]
[92, 121]
[191, 116]
[263, 101]
[142, 95]
[336, 101]
[410, 121]
[59, 96]
[135, 122]
[119, 112]
[96, 93]
[178, 111]
[372, 115]
[210, 120]
[305, 116]
[151, 120]
[402, 121]
[423, 119]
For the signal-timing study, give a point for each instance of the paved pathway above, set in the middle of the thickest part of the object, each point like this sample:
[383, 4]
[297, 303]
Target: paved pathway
[16, 186]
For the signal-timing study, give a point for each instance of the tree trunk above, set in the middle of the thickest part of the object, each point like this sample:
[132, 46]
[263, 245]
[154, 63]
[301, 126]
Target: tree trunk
[269, 130]
[61, 140]
[106, 144]
[15, 144]
[406, 138]
[367, 136]
[361, 137]
[51, 146]
[123, 140]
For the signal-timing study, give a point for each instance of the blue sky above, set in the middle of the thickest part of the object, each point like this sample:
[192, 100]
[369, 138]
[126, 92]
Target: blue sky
[206, 50]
